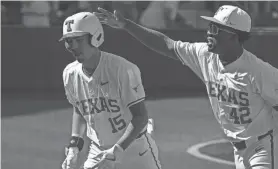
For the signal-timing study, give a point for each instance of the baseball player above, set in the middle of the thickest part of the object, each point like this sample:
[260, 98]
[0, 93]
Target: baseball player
[107, 95]
[242, 89]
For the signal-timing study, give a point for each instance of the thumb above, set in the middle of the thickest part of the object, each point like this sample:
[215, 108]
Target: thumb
[117, 14]
[121, 21]
[64, 164]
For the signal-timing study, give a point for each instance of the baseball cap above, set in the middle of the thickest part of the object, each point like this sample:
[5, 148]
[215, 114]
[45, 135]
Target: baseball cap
[80, 24]
[231, 16]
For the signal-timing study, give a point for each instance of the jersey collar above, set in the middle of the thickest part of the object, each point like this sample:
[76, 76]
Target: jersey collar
[95, 74]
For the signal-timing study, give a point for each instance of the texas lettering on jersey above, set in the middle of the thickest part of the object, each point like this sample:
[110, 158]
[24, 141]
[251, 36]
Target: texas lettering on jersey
[104, 99]
[239, 110]
[241, 96]
[98, 105]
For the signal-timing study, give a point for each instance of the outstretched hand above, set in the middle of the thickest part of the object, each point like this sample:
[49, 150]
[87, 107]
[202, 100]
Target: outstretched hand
[114, 20]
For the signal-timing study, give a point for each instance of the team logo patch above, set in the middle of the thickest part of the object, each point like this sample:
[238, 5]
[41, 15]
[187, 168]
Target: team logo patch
[68, 23]
[136, 88]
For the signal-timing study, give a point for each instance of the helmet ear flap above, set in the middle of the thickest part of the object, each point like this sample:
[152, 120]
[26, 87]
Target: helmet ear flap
[98, 38]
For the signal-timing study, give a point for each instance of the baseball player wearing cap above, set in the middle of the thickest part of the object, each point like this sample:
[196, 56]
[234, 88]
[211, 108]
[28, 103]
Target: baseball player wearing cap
[242, 89]
[107, 95]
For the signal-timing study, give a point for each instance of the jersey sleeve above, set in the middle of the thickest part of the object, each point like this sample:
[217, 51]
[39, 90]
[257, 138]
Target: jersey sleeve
[191, 55]
[268, 84]
[68, 88]
[131, 87]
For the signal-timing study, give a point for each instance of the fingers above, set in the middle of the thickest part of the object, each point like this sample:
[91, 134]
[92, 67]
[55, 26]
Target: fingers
[66, 151]
[101, 17]
[64, 165]
[104, 11]
[100, 163]
[68, 164]
[99, 155]
[95, 166]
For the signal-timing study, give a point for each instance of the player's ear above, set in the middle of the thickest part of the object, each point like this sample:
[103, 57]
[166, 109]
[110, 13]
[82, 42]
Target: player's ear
[66, 45]
[243, 36]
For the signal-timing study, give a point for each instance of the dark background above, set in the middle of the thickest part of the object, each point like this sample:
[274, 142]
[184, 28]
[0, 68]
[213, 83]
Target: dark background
[33, 59]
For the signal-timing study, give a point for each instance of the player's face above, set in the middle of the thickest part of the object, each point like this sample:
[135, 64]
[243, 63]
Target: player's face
[79, 47]
[219, 38]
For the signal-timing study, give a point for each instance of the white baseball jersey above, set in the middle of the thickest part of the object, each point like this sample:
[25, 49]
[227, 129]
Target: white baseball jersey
[104, 98]
[241, 94]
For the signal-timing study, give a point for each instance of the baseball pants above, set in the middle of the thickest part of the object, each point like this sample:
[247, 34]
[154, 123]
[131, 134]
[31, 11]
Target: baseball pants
[260, 153]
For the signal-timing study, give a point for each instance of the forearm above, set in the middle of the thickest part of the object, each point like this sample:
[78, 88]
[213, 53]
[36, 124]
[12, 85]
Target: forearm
[134, 128]
[155, 40]
[78, 124]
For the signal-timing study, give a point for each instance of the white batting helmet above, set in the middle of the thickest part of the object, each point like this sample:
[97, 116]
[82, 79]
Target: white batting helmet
[83, 23]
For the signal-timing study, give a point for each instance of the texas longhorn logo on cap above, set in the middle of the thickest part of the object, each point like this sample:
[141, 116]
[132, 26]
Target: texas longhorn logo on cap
[68, 23]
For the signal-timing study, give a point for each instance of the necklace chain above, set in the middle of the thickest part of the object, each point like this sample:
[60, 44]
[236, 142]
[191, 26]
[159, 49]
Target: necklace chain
[90, 73]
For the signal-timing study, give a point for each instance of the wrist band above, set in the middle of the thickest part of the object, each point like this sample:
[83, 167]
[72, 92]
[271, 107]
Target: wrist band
[76, 142]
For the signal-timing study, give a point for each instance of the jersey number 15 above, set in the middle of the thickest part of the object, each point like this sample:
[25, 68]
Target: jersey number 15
[117, 123]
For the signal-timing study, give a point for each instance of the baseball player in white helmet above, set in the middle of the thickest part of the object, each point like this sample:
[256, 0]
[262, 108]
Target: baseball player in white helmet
[242, 88]
[107, 96]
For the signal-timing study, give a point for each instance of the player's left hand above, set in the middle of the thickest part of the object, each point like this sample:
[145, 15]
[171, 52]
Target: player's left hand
[109, 158]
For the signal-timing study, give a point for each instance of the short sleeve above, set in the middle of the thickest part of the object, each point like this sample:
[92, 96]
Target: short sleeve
[131, 87]
[68, 88]
[267, 84]
[191, 55]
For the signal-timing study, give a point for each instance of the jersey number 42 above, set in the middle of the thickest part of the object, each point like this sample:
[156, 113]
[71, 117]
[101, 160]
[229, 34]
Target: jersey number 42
[241, 115]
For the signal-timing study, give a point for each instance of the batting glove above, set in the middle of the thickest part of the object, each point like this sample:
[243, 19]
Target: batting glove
[71, 160]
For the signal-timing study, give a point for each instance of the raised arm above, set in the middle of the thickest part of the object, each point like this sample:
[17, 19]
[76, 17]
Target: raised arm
[154, 40]
[190, 54]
